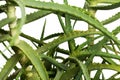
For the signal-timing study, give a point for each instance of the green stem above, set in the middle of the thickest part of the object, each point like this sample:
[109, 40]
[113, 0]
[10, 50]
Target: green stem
[11, 14]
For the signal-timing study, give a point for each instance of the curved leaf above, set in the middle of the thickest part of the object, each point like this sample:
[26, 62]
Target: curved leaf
[69, 73]
[5, 21]
[85, 53]
[36, 15]
[5, 38]
[64, 38]
[73, 11]
[116, 31]
[104, 66]
[83, 68]
[10, 64]
[54, 62]
[52, 36]
[36, 61]
[108, 7]
[108, 1]
[111, 19]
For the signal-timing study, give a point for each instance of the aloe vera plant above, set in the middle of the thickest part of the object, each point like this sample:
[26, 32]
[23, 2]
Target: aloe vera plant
[46, 60]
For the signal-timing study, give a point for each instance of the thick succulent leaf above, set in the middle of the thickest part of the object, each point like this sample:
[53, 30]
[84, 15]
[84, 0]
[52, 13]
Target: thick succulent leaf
[82, 67]
[54, 62]
[116, 30]
[5, 38]
[103, 77]
[34, 58]
[69, 74]
[97, 75]
[111, 19]
[73, 11]
[86, 53]
[113, 76]
[52, 36]
[108, 1]
[36, 15]
[5, 21]
[108, 7]
[10, 64]
[64, 38]
[43, 31]
[97, 66]
[59, 74]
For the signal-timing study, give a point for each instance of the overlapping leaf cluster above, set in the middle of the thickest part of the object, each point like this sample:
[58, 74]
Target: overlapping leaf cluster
[42, 63]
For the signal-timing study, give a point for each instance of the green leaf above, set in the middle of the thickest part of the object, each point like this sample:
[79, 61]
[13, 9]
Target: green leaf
[96, 66]
[64, 38]
[5, 38]
[113, 76]
[69, 74]
[108, 1]
[59, 74]
[116, 30]
[3, 8]
[73, 11]
[87, 53]
[97, 75]
[52, 36]
[43, 31]
[53, 61]
[108, 7]
[10, 64]
[5, 21]
[103, 78]
[111, 19]
[33, 57]
[36, 15]
[82, 67]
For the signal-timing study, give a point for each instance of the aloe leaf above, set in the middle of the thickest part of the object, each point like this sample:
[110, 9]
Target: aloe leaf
[58, 75]
[82, 67]
[116, 31]
[111, 19]
[108, 1]
[68, 28]
[113, 76]
[103, 78]
[36, 15]
[101, 54]
[36, 61]
[52, 36]
[10, 64]
[109, 61]
[5, 21]
[97, 75]
[2, 8]
[97, 66]
[62, 39]
[43, 30]
[73, 11]
[108, 7]
[31, 38]
[54, 62]
[5, 38]
[69, 74]
[61, 22]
